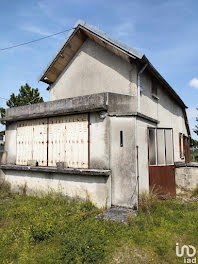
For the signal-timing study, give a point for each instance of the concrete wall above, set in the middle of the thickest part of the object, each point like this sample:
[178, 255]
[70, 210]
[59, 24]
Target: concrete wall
[99, 142]
[186, 178]
[165, 110]
[94, 69]
[96, 188]
[11, 143]
[122, 161]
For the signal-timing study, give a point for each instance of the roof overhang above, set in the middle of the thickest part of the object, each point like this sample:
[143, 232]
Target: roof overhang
[75, 39]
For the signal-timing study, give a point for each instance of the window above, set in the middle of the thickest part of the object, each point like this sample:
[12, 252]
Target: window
[160, 146]
[154, 88]
[152, 147]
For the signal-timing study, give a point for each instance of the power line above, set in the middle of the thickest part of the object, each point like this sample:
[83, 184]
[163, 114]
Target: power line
[26, 43]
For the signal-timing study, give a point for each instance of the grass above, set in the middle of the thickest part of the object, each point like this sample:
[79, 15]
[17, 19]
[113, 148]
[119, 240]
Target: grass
[58, 230]
[195, 192]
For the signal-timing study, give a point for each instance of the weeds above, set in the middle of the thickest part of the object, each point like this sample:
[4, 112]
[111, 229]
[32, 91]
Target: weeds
[195, 192]
[55, 229]
[148, 201]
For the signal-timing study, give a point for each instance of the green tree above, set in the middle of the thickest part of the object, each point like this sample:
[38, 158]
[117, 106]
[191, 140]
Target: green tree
[196, 127]
[26, 96]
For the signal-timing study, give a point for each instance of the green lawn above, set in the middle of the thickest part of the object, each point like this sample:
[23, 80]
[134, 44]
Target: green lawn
[58, 230]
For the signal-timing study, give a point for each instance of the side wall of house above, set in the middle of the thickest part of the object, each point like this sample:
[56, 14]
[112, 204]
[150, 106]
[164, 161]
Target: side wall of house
[165, 110]
[123, 161]
[92, 70]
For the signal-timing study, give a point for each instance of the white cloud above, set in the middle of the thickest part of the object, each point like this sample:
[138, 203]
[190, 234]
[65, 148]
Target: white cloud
[194, 83]
[36, 30]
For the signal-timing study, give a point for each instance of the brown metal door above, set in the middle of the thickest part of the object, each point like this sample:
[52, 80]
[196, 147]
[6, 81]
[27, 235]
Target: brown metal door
[161, 162]
[162, 180]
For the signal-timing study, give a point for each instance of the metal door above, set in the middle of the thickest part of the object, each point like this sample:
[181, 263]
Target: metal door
[161, 162]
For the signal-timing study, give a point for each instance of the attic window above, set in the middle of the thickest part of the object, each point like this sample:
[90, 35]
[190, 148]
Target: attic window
[154, 89]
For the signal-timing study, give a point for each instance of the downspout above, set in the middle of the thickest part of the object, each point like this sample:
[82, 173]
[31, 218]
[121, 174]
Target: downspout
[139, 85]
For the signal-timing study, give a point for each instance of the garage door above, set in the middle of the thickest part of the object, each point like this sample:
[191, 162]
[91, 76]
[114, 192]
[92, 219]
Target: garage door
[57, 139]
[32, 142]
[68, 141]
[24, 142]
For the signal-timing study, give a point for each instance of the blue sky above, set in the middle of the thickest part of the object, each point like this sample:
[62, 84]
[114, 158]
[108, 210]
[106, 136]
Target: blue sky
[166, 31]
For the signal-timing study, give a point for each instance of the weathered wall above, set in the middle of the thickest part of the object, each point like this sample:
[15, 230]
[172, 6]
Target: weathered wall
[186, 177]
[94, 69]
[96, 188]
[10, 143]
[99, 142]
[122, 161]
[165, 110]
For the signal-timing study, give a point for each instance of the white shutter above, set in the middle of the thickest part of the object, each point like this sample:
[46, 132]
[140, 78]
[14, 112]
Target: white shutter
[40, 141]
[67, 138]
[68, 141]
[24, 142]
[32, 142]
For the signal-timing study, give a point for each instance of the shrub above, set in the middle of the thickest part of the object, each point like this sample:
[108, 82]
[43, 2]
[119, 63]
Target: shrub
[148, 201]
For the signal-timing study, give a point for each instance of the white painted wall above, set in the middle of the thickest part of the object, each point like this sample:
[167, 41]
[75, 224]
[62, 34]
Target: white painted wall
[92, 70]
[165, 110]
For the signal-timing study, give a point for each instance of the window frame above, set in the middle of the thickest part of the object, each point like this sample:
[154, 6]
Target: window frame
[156, 146]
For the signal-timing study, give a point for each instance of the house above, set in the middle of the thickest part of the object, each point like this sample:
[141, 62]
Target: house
[112, 129]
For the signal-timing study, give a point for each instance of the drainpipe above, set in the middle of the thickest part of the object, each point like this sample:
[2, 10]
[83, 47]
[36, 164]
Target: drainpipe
[139, 84]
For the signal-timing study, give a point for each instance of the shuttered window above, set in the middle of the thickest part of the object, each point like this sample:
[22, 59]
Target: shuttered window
[57, 139]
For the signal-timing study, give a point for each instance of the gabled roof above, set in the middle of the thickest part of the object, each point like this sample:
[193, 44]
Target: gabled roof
[76, 38]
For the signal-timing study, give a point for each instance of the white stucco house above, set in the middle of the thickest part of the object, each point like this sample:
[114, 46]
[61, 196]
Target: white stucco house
[113, 126]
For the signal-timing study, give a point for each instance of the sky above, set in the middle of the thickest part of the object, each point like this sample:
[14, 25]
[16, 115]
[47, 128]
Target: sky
[165, 31]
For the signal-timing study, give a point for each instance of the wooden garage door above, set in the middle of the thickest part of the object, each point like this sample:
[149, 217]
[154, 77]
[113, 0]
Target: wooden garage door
[57, 139]
[40, 141]
[24, 142]
[32, 142]
[68, 141]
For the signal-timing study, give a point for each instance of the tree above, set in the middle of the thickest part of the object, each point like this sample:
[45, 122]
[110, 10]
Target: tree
[26, 96]
[196, 127]
[194, 143]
